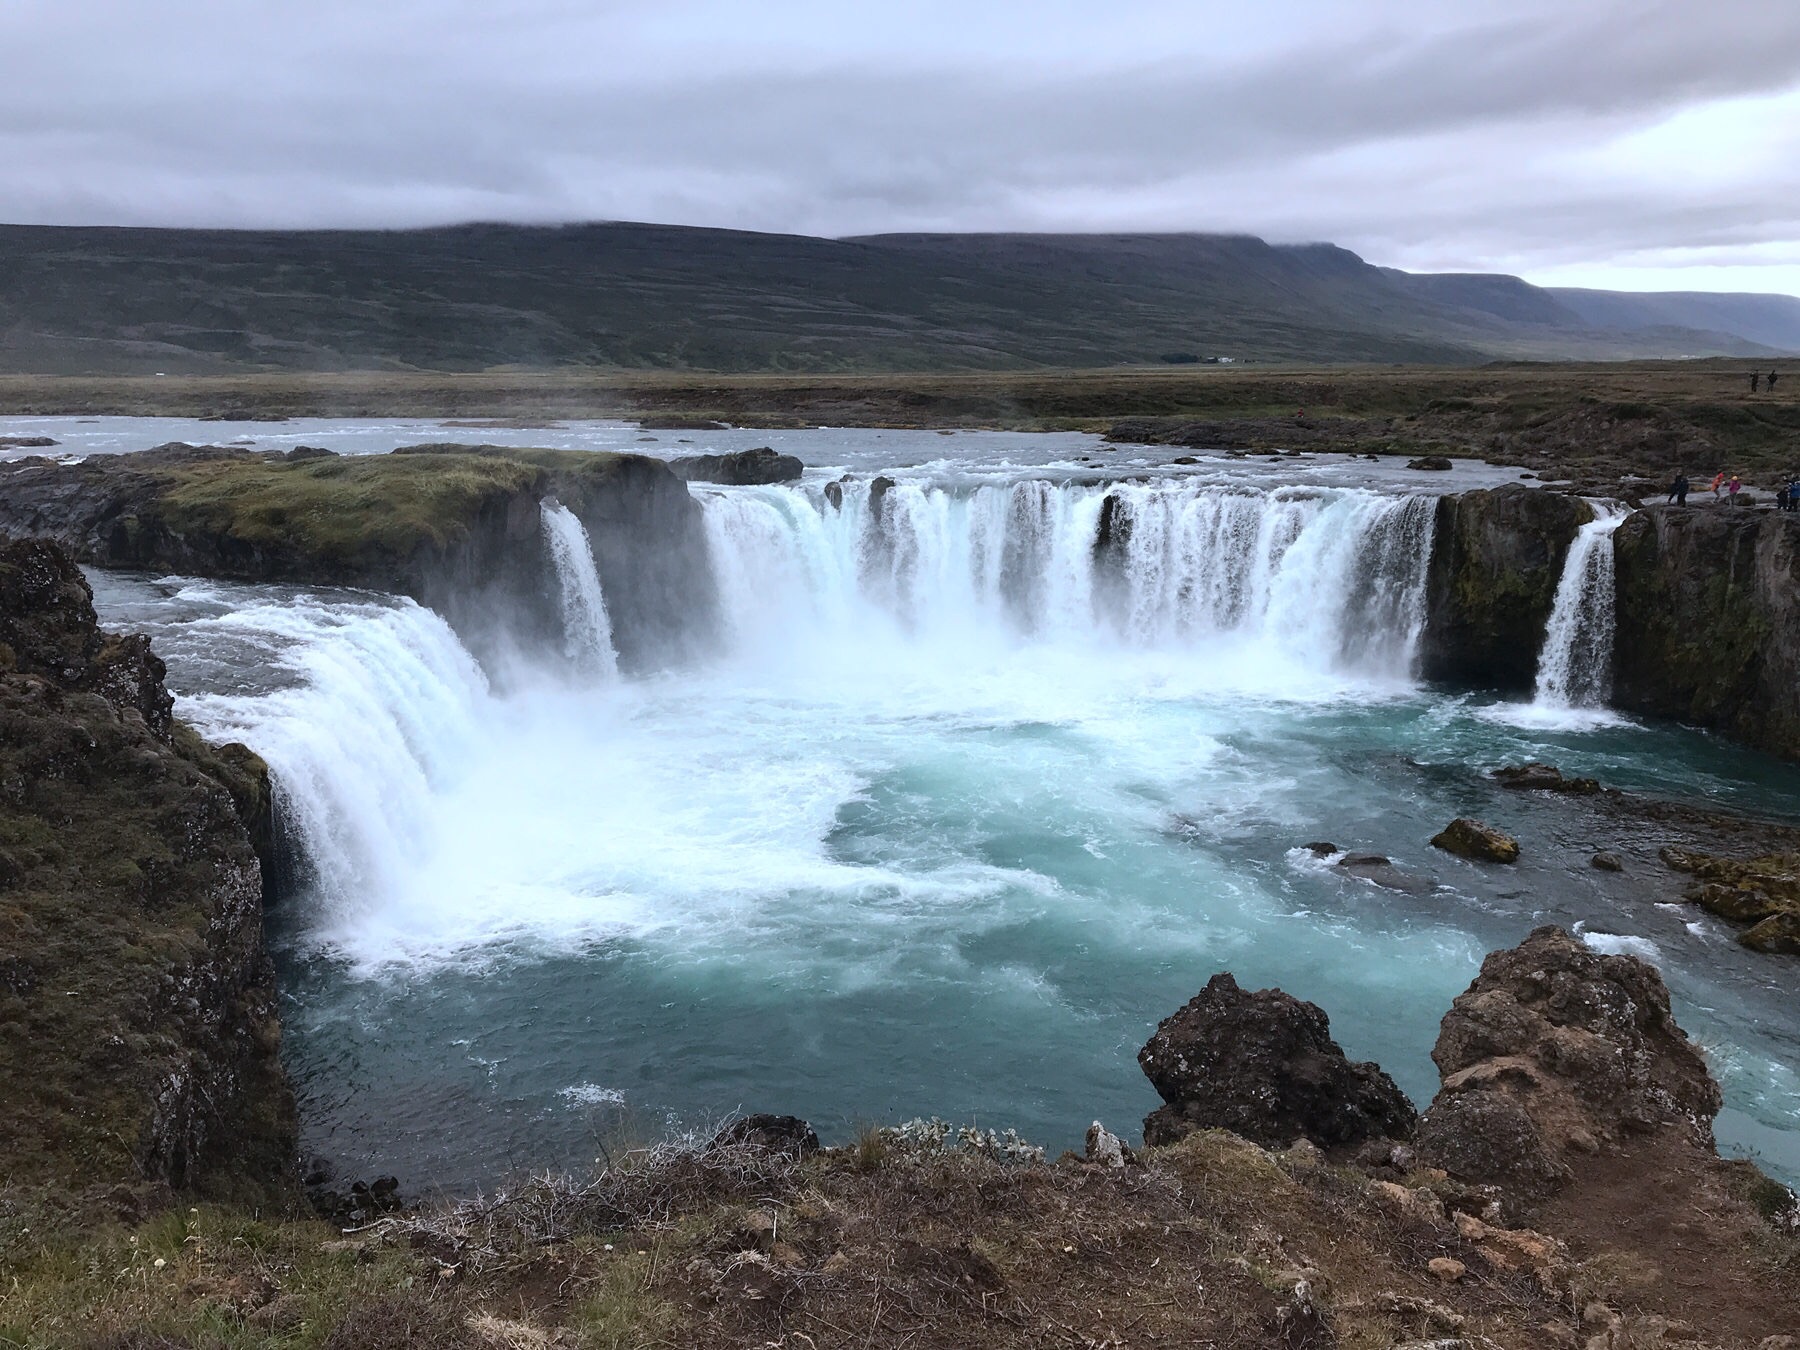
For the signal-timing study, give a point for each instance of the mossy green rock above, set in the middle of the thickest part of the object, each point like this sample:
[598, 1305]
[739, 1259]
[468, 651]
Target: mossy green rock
[457, 527]
[1777, 935]
[1471, 839]
[138, 1029]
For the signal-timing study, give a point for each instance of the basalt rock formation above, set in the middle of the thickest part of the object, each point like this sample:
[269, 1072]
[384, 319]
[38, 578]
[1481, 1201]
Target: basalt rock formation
[1556, 1053]
[1263, 1065]
[739, 467]
[456, 527]
[1709, 621]
[1496, 559]
[138, 1027]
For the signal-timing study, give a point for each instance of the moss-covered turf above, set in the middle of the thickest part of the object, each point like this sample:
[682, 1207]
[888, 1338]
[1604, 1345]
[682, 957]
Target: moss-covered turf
[340, 507]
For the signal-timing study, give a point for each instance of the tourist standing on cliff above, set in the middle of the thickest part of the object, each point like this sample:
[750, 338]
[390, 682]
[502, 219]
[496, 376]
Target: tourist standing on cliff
[1735, 487]
[1772, 375]
[1794, 492]
[1718, 482]
[1755, 375]
[1782, 497]
[1678, 490]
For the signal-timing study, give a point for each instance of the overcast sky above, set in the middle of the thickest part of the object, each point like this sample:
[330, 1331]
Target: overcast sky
[1624, 143]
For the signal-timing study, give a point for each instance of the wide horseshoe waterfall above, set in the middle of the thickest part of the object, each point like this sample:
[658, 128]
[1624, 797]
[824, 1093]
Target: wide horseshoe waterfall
[983, 773]
[1296, 580]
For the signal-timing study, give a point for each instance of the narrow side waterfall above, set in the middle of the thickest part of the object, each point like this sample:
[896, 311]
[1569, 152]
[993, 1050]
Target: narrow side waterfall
[1575, 666]
[587, 630]
[1326, 579]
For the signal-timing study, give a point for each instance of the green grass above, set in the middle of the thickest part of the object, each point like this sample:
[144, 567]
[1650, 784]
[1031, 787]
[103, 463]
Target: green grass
[341, 508]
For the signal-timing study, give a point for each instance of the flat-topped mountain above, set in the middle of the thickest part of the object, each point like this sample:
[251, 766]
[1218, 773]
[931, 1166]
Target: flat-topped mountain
[627, 296]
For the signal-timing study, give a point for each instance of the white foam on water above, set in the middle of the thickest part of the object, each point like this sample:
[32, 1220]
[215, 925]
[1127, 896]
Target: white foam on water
[1620, 944]
[592, 1094]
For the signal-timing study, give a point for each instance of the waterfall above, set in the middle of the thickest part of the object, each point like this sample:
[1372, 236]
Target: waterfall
[1575, 666]
[1329, 579]
[587, 631]
[380, 708]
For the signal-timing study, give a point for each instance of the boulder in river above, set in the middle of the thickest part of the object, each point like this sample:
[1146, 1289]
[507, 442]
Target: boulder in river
[1471, 839]
[1556, 1051]
[740, 468]
[1777, 935]
[1435, 462]
[1543, 778]
[1262, 1064]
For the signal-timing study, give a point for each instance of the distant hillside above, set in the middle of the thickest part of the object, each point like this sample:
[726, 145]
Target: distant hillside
[104, 300]
[1770, 320]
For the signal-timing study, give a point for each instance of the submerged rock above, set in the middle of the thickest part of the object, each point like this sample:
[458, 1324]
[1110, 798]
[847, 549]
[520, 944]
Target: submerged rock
[1607, 861]
[1262, 1064]
[1543, 778]
[1471, 839]
[1558, 1050]
[739, 468]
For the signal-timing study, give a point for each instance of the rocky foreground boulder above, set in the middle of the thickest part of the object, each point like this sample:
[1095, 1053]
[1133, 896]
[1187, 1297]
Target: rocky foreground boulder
[1555, 1053]
[1262, 1064]
[138, 1023]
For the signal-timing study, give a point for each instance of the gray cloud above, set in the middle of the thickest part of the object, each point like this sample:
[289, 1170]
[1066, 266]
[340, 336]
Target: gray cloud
[1531, 136]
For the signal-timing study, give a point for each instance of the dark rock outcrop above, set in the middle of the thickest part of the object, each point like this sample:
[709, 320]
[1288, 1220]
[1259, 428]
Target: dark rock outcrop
[1776, 935]
[739, 467]
[457, 527]
[1538, 777]
[1263, 1065]
[1763, 892]
[1556, 1051]
[1709, 621]
[138, 1029]
[1496, 559]
[1471, 839]
[785, 1136]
